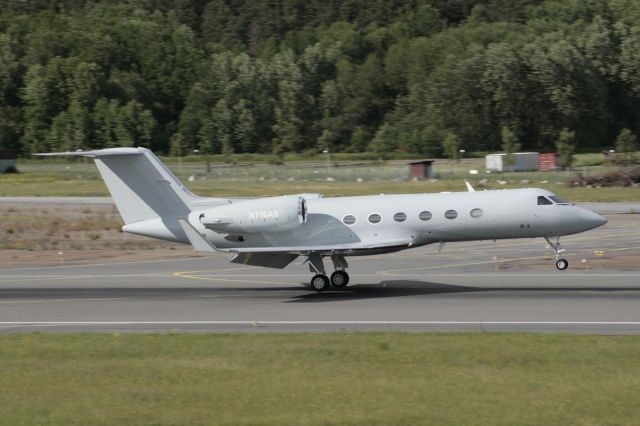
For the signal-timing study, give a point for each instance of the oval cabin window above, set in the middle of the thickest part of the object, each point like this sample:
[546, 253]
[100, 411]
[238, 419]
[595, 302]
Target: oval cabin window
[349, 219]
[451, 214]
[476, 213]
[399, 217]
[425, 215]
[375, 218]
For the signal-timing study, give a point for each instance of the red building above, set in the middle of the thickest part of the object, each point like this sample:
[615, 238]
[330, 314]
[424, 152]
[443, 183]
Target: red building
[547, 162]
[421, 169]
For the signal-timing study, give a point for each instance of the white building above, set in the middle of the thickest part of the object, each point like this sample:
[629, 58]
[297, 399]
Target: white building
[523, 161]
[7, 160]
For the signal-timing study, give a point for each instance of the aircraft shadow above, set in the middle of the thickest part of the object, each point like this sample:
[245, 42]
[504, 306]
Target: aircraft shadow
[290, 294]
[398, 288]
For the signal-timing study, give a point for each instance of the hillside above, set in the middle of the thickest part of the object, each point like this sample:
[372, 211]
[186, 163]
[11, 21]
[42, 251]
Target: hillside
[229, 76]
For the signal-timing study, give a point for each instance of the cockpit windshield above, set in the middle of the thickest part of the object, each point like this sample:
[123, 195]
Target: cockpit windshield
[544, 201]
[551, 199]
[558, 200]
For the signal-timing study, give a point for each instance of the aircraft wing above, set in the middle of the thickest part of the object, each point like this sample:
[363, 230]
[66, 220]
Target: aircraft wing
[201, 244]
[302, 250]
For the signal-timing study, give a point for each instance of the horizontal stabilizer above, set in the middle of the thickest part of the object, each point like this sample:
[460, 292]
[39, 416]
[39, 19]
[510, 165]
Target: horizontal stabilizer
[95, 153]
[196, 239]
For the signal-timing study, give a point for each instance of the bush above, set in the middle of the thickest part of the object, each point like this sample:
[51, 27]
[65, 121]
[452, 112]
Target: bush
[620, 177]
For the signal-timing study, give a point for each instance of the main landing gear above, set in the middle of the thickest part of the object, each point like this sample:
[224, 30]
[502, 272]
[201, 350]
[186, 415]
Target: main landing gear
[320, 281]
[561, 263]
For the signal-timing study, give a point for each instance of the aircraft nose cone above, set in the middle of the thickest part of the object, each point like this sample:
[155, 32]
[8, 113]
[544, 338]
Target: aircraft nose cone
[602, 220]
[591, 219]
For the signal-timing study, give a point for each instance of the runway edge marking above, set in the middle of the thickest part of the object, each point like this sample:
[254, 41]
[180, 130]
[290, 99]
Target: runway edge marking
[258, 322]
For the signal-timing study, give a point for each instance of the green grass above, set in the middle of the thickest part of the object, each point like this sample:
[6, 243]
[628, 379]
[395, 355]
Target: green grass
[364, 378]
[81, 178]
[53, 185]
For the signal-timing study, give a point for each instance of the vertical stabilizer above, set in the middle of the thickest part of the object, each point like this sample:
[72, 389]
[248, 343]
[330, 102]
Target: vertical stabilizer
[148, 196]
[142, 187]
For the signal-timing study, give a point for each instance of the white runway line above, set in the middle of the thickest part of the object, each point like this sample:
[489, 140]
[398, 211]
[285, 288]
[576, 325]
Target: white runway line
[257, 322]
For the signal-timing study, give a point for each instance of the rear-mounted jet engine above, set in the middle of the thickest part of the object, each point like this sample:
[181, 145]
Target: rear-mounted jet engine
[273, 214]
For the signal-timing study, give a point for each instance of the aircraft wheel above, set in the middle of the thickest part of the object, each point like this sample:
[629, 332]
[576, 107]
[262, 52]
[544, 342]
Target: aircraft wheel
[339, 279]
[562, 264]
[319, 282]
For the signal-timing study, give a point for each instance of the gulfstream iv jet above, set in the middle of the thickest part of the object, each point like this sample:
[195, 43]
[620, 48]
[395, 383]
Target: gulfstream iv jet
[273, 231]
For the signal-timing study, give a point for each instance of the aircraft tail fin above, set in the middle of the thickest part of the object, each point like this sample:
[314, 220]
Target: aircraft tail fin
[141, 186]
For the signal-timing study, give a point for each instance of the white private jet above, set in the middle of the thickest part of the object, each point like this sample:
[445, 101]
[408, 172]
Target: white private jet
[273, 231]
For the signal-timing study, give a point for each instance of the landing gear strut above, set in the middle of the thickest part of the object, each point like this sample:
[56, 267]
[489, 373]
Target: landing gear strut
[561, 263]
[320, 281]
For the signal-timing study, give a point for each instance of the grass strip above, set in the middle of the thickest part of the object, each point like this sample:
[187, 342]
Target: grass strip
[318, 379]
[48, 186]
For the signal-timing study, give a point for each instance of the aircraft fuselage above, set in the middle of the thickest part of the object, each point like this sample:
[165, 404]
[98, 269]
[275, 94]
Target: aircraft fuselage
[421, 219]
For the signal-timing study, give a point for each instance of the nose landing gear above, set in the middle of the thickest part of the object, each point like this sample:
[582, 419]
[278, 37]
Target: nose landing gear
[320, 281]
[561, 263]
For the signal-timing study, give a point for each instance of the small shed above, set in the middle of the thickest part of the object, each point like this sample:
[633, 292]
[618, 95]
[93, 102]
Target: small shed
[421, 169]
[547, 162]
[7, 160]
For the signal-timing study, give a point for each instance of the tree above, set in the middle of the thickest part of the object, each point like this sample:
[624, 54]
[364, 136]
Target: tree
[510, 146]
[106, 121]
[566, 146]
[243, 127]
[216, 133]
[10, 108]
[176, 145]
[451, 146]
[626, 146]
[630, 56]
[288, 125]
[379, 142]
[8, 67]
[294, 74]
[44, 88]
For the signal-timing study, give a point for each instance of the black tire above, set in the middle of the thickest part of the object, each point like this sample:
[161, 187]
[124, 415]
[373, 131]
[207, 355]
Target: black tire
[320, 282]
[562, 264]
[339, 279]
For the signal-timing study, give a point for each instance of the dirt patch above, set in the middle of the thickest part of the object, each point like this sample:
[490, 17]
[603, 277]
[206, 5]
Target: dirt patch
[34, 258]
[34, 235]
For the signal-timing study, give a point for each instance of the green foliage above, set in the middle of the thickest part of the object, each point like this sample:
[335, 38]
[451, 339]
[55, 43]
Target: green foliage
[626, 146]
[510, 145]
[293, 76]
[566, 147]
[451, 146]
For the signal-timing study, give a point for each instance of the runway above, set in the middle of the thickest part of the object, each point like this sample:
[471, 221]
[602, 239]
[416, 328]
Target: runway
[479, 286]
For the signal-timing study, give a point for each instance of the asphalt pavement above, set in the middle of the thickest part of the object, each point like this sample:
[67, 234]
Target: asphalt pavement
[479, 286]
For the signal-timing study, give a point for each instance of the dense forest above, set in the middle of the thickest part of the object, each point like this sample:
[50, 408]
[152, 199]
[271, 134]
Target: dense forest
[277, 76]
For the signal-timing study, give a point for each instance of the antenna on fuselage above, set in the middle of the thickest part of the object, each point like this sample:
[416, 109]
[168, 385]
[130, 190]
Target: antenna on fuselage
[469, 187]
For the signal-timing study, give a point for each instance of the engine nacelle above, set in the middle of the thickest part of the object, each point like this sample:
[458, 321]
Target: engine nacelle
[273, 214]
